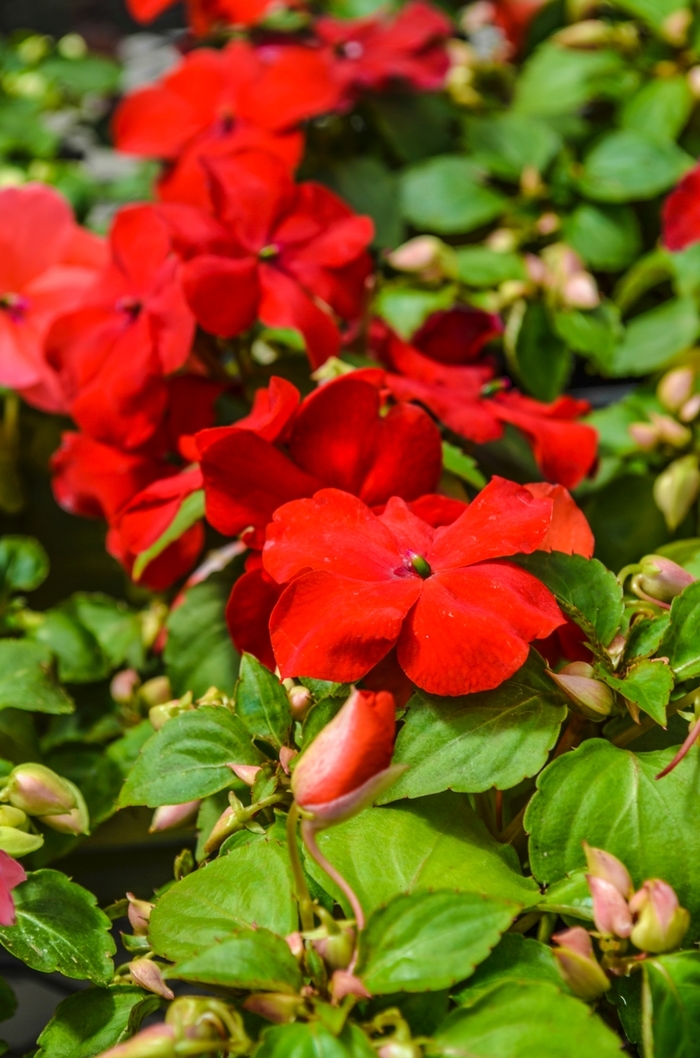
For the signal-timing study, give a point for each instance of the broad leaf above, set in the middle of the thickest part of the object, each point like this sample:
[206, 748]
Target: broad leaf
[520, 1020]
[515, 958]
[427, 941]
[671, 1005]
[24, 564]
[606, 237]
[199, 653]
[681, 643]
[311, 1039]
[648, 684]
[543, 360]
[645, 637]
[660, 109]
[78, 652]
[506, 144]
[25, 680]
[435, 843]
[60, 928]
[445, 195]
[594, 334]
[479, 266]
[471, 743]
[116, 627]
[250, 886]
[188, 758]
[462, 465]
[255, 959]
[558, 80]
[87, 1023]
[654, 338]
[610, 798]
[262, 703]
[372, 188]
[626, 166]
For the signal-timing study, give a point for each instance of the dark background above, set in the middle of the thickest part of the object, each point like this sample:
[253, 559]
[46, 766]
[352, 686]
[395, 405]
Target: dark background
[101, 22]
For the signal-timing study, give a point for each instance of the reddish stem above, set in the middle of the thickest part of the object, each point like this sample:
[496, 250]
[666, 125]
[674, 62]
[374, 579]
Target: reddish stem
[682, 752]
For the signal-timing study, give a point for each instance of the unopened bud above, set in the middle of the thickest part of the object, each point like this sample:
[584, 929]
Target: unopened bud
[548, 223]
[168, 817]
[611, 913]
[675, 28]
[676, 489]
[531, 184]
[156, 691]
[148, 975]
[160, 714]
[694, 81]
[578, 965]
[602, 864]
[17, 842]
[38, 791]
[247, 773]
[299, 702]
[123, 685]
[691, 409]
[274, 1006]
[206, 1019]
[344, 984]
[157, 1041]
[296, 944]
[138, 913]
[336, 949]
[580, 291]
[400, 1049]
[676, 387]
[644, 435]
[662, 923]
[590, 33]
[77, 821]
[670, 431]
[660, 579]
[502, 240]
[13, 817]
[426, 255]
[590, 696]
[287, 755]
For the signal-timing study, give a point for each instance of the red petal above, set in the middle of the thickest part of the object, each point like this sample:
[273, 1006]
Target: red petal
[96, 480]
[248, 613]
[681, 213]
[293, 83]
[272, 409]
[407, 456]
[36, 227]
[284, 304]
[565, 450]
[569, 531]
[412, 535]
[140, 242]
[456, 336]
[223, 292]
[438, 510]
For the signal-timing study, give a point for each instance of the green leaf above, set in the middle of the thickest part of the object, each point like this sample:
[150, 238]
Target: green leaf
[188, 758]
[610, 798]
[507, 143]
[406, 308]
[649, 271]
[660, 109]
[89, 1022]
[524, 1019]
[8, 1001]
[626, 166]
[606, 237]
[254, 959]
[471, 743]
[648, 684]
[190, 511]
[371, 188]
[320, 714]
[325, 688]
[515, 958]
[427, 941]
[415, 124]
[645, 637]
[60, 928]
[557, 80]
[478, 266]
[312, 1039]
[116, 627]
[570, 896]
[25, 680]
[654, 12]
[671, 1005]
[586, 591]
[434, 843]
[24, 564]
[79, 655]
[625, 520]
[462, 465]
[594, 334]
[653, 338]
[542, 359]
[681, 643]
[445, 195]
[262, 703]
[252, 885]
[199, 653]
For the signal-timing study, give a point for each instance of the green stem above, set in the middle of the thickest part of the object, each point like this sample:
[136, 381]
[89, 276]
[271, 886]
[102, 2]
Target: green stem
[647, 724]
[301, 890]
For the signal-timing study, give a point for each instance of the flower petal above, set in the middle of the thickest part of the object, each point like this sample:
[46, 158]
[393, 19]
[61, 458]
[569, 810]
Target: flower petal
[223, 292]
[248, 612]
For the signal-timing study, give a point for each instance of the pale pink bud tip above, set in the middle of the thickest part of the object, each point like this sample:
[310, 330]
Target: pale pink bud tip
[148, 975]
[661, 923]
[578, 964]
[157, 1041]
[273, 1006]
[660, 579]
[592, 697]
[247, 773]
[167, 817]
[138, 913]
[299, 702]
[296, 944]
[602, 864]
[676, 387]
[611, 914]
[124, 684]
[344, 984]
[286, 756]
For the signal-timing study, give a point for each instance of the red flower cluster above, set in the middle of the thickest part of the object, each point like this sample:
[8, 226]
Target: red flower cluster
[681, 213]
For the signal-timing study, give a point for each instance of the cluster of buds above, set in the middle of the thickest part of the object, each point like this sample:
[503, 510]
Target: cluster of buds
[427, 257]
[35, 790]
[657, 579]
[560, 273]
[590, 696]
[193, 1025]
[651, 919]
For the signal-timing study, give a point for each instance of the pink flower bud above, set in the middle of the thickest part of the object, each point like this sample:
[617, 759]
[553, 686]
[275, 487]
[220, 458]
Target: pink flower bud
[247, 773]
[156, 691]
[644, 435]
[611, 914]
[124, 685]
[77, 821]
[690, 409]
[591, 697]
[299, 702]
[400, 1049]
[157, 1041]
[670, 431]
[676, 387]
[287, 755]
[38, 791]
[274, 1006]
[168, 817]
[660, 579]
[578, 964]
[416, 255]
[138, 913]
[661, 923]
[344, 984]
[604, 865]
[580, 291]
[296, 944]
[336, 949]
[148, 975]
[160, 714]
[676, 489]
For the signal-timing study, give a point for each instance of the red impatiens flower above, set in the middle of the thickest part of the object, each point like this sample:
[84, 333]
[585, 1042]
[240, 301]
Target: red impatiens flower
[372, 52]
[681, 213]
[514, 18]
[205, 15]
[46, 263]
[12, 874]
[456, 335]
[133, 328]
[218, 102]
[469, 401]
[359, 584]
[291, 255]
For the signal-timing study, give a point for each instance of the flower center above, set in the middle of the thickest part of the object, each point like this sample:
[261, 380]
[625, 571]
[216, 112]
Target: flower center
[352, 49]
[15, 306]
[130, 306]
[268, 251]
[418, 564]
[496, 386]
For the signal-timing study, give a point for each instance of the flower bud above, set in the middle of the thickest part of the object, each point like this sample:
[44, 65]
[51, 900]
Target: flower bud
[157, 1041]
[247, 773]
[611, 914]
[168, 817]
[13, 817]
[295, 943]
[670, 431]
[160, 714]
[148, 975]
[300, 700]
[274, 1006]
[287, 755]
[124, 685]
[336, 949]
[676, 387]
[590, 696]
[691, 409]
[344, 984]
[644, 435]
[578, 965]
[580, 291]
[156, 691]
[38, 791]
[400, 1049]
[17, 842]
[660, 579]
[589, 33]
[138, 913]
[604, 865]
[675, 27]
[693, 77]
[203, 1018]
[77, 821]
[661, 922]
[676, 489]
[421, 254]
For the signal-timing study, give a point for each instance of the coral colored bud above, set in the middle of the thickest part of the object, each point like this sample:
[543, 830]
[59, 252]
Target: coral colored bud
[426, 256]
[691, 409]
[344, 984]
[676, 387]
[168, 817]
[578, 964]
[611, 914]
[300, 700]
[661, 922]
[676, 489]
[670, 431]
[138, 913]
[347, 764]
[157, 1041]
[580, 291]
[287, 754]
[274, 1006]
[296, 944]
[124, 685]
[247, 773]
[644, 435]
[660, 579]
[38, 791]
[336, 949]
[77, 821]
[590, 696]
[602, 864]
[156, 691]
[148, 975]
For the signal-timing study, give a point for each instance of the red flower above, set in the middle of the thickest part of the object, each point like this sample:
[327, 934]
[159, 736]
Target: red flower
[132, 328]
[456, 335]
[204, 15]
[290, 255]
[681, 213]
[46, 263]
[514, 18]
[463, 398]
[461, 618]
[569, 531]
[370, 53]
[12, 874]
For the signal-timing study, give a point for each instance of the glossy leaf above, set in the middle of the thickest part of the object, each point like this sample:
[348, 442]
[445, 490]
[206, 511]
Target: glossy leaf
[479, 266]
[515, 958]
[25, 679]
[681, 643]
[558, 80]
[653, 338]
[78, 653]
[671, 1005]
[87, 1023]
[427, 941]
[626, 166]
[477, 741]
[542, 359]
[312, 1039]
[606, 237]
[262, 703]
[255, 959]
[660, 109]
[24, 564]
[116, 627]
[648, 684]
[188, 758]
[509, 142]
[445, 195]
[199, 653]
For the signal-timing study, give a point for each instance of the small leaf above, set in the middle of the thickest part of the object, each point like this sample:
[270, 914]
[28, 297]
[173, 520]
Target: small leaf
[427, 941]
[681, 643]
[188, 758]
[79, 655]
[462, 465]
[654, 338]
[645, 637]
[445, 195]
[542, 359]
[190, 511]
[25, 682]
[116, 627]
[660, 109]
[626, 166]
[479, 266]
[648, 684]
[254, 959]
[60, 928]
[89, 1022]
[606, 237]
[24, 564]
[515, 958]
[670, 1008]
[199, 653]
[311, 1039]
[262, 703]
[506, 144]
[557, 80]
